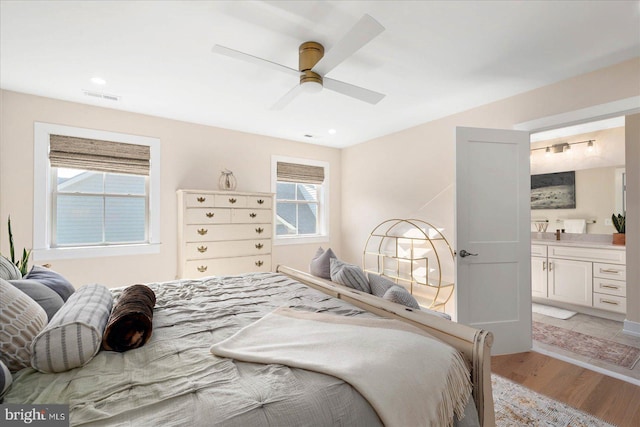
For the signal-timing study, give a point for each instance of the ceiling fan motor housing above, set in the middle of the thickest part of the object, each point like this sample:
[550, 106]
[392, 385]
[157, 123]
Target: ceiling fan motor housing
[309, 55]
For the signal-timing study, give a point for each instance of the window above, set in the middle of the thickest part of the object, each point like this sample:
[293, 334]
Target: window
[96, 193]
[301, 188]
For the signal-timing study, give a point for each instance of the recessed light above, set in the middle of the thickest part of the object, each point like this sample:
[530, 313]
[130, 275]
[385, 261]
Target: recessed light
[98, 81]
[332, 131]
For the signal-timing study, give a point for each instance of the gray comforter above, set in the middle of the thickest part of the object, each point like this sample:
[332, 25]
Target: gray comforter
[175, 381]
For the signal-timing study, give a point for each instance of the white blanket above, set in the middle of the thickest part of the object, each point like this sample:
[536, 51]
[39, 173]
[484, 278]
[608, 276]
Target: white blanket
[408, 377]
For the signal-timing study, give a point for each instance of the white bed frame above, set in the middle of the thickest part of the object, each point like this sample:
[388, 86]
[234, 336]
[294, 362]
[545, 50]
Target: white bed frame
[473, 344]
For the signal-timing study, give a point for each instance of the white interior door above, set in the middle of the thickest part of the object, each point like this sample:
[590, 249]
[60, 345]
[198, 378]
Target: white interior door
[493, 235]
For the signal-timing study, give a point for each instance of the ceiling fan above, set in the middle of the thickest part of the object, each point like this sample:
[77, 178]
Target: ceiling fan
[313, 64]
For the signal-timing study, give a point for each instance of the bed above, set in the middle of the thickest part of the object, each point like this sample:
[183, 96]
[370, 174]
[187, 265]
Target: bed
[174, 380]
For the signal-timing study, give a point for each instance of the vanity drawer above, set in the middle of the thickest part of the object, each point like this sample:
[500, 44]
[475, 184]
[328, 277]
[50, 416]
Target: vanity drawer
[614, 256]
[609, 287]
[610, 302]
[539, 250]
[609, 271]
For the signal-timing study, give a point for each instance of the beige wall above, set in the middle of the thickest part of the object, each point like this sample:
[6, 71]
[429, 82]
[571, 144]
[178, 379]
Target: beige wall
[632, 128]
[192, 156]
[411, 173]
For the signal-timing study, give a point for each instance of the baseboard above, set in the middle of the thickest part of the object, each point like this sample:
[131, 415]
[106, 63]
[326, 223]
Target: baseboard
[631, 328]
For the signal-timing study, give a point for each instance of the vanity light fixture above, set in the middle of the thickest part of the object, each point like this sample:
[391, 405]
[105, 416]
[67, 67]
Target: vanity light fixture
[564, 147]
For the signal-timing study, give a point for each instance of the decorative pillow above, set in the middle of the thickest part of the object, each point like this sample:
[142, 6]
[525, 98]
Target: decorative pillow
[52, 280]
[379, 284]
[349, 275]
[400, 295]
[74, 335]
[5, 380]
[43, 295]
[21, 319]
[8, 270]
[321, 263]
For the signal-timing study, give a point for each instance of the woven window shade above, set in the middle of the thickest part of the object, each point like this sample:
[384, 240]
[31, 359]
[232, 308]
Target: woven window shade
[98, 155]
[293, 172]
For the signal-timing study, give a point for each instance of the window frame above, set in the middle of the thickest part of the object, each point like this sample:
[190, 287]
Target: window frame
[43, 197]
[323, 203]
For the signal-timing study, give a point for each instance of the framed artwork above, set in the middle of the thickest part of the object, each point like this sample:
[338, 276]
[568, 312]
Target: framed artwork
[553, 190]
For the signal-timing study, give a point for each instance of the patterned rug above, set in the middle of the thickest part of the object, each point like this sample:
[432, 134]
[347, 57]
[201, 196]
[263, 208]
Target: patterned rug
[586, 345]
[517, 406]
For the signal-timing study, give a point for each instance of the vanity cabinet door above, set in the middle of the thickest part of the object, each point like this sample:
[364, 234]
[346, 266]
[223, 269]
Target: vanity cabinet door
[570, 281]
[539, 277]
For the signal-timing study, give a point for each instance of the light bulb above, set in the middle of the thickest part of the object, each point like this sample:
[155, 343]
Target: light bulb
[590, 146]
[311, 87]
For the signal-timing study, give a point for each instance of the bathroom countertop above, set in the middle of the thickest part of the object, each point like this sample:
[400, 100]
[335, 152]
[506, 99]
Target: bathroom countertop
[573, 242]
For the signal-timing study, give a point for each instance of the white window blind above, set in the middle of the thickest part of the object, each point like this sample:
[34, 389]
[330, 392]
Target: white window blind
[294, 172]
[98, 155]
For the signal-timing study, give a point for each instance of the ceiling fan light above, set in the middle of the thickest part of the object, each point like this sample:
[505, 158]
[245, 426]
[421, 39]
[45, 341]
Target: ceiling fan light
[311, 86]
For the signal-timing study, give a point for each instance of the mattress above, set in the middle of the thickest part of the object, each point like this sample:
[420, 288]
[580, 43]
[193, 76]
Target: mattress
[174, 380]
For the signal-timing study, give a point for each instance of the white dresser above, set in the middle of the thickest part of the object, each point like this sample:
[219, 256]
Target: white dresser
[583, 275]
[223, 232]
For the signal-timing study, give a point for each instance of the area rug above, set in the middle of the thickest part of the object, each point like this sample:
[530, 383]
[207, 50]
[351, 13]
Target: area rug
[586, 345]
[547, 310]
[517, 406]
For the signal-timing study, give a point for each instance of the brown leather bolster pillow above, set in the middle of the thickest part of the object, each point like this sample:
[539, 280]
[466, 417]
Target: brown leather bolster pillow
[130, 323]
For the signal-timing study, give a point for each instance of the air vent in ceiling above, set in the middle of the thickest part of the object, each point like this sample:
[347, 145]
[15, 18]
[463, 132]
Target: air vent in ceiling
[101, 95]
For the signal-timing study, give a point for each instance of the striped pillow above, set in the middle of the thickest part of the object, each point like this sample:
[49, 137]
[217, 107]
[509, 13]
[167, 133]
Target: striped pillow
[349, 275]
[74, 335]
[379, 284]
[400, 295]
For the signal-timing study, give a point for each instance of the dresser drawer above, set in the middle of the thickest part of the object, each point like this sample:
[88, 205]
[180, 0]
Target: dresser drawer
[226, 266]
[250, 216]
[613, 256]
[610, 302]
[610, 287]
[230, 201]
[259, 202]
[218, 232]
[199, 200]
[208, 216]
[539, 250]
[609, 271]
[202, 250]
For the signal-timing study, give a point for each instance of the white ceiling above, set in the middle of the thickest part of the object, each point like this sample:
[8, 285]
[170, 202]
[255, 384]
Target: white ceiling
[435, 58]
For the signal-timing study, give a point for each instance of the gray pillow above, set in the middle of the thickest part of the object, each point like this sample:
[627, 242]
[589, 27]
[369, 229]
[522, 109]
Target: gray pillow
[320, 265]
[400, 295]
[43, 295]
[52, 280]
[349, 275]
[379, 284]
[8, 270]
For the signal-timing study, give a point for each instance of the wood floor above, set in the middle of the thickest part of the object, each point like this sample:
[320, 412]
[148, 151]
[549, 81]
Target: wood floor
[610, 399]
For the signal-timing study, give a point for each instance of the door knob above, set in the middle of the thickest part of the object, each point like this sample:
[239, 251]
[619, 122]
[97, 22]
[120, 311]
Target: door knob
[464, 253]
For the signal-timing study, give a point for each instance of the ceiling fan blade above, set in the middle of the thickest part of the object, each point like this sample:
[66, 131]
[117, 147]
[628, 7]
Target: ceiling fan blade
[357, 92]
[232, 53]
[287, 98]
[365, 30]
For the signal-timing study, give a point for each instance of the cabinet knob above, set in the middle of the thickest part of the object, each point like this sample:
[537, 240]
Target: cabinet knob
[202, 268]
[253, 215]
[259, 263]
[202, 231]
[259, 230]
[260, 201]
[210, 214]
[232, 200]
[202, 249]
[201, 199]
[259, 245]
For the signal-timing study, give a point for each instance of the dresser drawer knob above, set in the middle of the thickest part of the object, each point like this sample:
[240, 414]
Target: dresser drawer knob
[253, 215]
[202, 249]
[260, 201]
[259, 230]
[202, 231]
[202, 268]
[232, 200]
[259, 263]
[201, 199]
[259, 246]
[210, 214]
